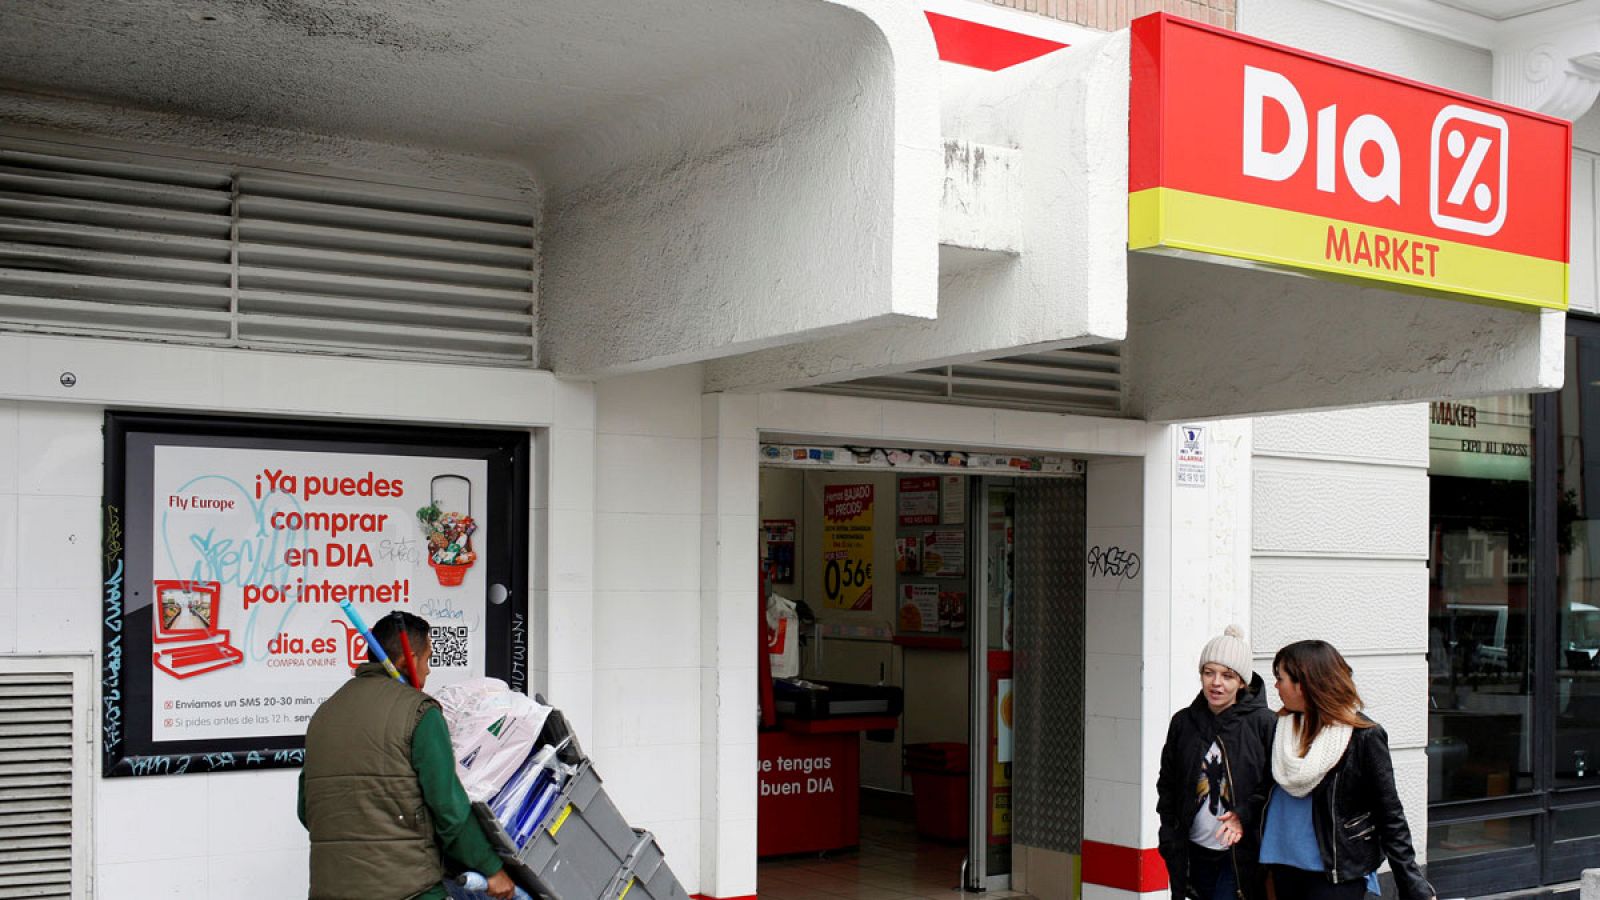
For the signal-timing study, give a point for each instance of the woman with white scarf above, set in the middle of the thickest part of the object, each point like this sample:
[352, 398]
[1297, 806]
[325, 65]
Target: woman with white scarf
[1333, 815]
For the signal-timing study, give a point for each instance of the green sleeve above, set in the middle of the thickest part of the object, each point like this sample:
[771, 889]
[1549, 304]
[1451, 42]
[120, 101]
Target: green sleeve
[300, 799]
[458, 831]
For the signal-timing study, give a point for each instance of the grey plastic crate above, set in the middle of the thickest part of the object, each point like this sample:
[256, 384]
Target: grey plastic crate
[647, 875]
[584, 850]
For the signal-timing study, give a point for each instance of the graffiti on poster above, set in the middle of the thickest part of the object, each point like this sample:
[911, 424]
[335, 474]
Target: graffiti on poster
[847, 511]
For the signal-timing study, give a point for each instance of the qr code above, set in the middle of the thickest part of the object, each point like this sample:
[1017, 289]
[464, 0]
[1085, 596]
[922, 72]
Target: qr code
[449, 645]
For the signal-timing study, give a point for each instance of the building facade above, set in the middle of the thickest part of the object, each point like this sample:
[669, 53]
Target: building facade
[662, 260]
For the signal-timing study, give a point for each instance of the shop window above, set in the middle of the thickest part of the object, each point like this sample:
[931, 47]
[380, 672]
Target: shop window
[1515, 481]
[1480, 701]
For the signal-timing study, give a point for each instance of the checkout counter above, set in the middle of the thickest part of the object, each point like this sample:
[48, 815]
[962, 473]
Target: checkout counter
[809, 766]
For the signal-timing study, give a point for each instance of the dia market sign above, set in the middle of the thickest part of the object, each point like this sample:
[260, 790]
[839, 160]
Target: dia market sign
[1249, 150]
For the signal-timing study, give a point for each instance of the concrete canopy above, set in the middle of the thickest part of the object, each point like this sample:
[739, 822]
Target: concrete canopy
[1212, 340]
[676, 143]
[1041, 265]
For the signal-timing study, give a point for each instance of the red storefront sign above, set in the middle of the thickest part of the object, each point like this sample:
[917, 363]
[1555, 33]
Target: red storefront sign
[1246, 149]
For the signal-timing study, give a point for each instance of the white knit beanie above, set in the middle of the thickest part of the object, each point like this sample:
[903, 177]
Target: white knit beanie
[1229, 649]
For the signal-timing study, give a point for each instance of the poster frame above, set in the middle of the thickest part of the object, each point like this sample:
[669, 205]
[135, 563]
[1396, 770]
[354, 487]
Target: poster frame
[126, 678]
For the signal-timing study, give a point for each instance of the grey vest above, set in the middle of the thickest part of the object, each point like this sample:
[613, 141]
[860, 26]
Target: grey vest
[371, 834]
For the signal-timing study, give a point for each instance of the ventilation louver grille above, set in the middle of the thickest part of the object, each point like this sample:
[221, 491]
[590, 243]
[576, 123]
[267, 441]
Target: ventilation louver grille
[36, 783]
[99, 243]
[1082, 380]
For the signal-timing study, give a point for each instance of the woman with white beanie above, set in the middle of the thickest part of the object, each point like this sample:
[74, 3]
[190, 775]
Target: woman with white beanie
[1334, 815]
[1214, 777]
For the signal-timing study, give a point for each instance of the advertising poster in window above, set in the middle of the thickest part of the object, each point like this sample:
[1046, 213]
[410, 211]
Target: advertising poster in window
[777, 549]
[919, 607]
[237, 558]
[952, 500]
[919, 500]
[847, 540]
[944, 553]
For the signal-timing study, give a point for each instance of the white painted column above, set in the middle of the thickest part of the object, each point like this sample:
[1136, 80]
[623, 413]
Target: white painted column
[729, 611]
[563, 536]
[646, 734]
[1146, 632]
[1122, 552]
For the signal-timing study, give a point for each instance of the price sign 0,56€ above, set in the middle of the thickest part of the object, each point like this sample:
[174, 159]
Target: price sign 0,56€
[847, 511]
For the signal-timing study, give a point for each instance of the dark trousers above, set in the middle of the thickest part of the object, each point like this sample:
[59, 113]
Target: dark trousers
[1211, 875]
[1289, 883]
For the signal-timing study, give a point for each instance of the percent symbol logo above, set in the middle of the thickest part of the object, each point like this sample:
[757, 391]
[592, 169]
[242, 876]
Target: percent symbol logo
[1470, 162]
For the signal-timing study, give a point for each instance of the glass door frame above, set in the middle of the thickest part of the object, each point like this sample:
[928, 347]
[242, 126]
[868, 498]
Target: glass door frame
[1556, 864]
[975, 876]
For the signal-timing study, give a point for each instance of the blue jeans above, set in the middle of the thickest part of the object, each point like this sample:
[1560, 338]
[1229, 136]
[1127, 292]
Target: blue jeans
[1211, 875]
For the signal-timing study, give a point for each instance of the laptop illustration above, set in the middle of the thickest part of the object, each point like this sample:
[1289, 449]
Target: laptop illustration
[186, 615]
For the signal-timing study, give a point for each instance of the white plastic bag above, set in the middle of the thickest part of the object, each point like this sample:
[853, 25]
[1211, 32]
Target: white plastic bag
[492, 731]
[783, 637]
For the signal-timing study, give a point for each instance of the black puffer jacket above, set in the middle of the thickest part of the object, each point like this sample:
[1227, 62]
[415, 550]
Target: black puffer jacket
[1244, 732]
[1359, 819]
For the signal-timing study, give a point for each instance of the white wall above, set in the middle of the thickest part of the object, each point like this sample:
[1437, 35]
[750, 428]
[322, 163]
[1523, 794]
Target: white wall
[1339, 547]
[1145, 633]
[178, 836]
[729, 647]
[1584, 290]
[153, 837]
[646, 733]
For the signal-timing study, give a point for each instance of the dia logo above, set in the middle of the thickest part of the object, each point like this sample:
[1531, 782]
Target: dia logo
[1468, 165]
[1467, 191]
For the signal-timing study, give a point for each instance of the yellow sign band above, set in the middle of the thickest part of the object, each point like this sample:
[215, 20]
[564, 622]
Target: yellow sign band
[1163, 218]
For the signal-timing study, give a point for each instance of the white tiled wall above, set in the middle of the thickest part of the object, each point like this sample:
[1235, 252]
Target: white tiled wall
[1340, 553]
[153, 837]
[229, 834]
[729, 614]
[646, 737]
[49, 528]
[644, 538]
[562, 523]
[1114, 680]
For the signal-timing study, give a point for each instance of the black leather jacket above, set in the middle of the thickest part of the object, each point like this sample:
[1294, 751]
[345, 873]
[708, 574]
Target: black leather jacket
[1359, 819]
[1244, 731]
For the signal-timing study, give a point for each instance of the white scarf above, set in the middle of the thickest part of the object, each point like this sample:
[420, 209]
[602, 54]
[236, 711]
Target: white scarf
[1300, 775]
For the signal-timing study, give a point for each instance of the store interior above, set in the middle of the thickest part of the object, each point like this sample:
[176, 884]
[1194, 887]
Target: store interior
[879, 672]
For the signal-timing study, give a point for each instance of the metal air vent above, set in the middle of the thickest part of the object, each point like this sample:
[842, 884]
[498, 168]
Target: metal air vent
[42, 741]
[1086, 380]
[102, 243]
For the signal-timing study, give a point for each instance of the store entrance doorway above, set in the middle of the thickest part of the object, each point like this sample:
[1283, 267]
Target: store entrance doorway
[895, 604]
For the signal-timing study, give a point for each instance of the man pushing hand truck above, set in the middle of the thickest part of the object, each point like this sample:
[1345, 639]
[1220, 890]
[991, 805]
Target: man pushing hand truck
[379, 792]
